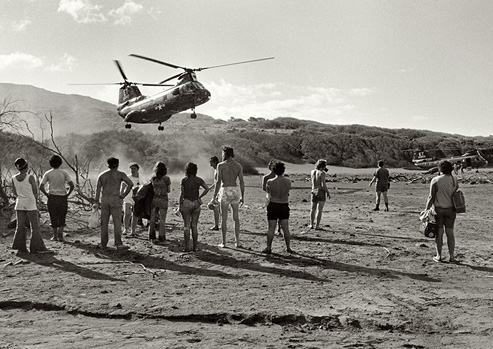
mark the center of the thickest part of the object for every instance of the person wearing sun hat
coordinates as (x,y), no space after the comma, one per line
(25,191)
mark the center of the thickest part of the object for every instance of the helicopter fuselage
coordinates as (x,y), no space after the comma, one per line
(468,160)
(161,106)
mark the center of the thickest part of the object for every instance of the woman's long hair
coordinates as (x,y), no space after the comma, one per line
(160,170)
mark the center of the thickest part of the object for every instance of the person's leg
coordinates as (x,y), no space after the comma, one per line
(20,231)
(270,235)
(313,212)
(450,243)
(216,219)
(195,227)
(152,223)
(287,236)
(385,200)
(37,244)
(320,208)
(134,223)
(127,218)
(377,200)
(105,220)
(62,216)
(162,223)
(117,213)
(185,213)
(439,244)
(224,222)
(53,217)
(236,218)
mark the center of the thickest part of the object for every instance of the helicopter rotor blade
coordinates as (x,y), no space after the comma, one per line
(159,62)
(171,78)
(225,65)
(98,83)
(121,70)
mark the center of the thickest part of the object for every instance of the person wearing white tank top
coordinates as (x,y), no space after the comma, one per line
(26,208)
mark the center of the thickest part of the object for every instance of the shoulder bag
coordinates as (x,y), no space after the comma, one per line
(458,199)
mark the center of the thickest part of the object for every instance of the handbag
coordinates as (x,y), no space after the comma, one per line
(429,229)
(428,225)
(94,219)
(459,200)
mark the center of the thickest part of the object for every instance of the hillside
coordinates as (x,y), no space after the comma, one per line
(90,128)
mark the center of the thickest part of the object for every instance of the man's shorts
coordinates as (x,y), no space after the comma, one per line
(445,217)
(277,211)
(229,195)
(382,187)
(320,196)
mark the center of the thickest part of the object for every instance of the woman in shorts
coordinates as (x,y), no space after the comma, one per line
(190,202)
(441,189)
(278,208)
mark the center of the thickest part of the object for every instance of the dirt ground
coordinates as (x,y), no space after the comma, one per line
(367,281)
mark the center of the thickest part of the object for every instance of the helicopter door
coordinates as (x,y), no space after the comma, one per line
(468,162)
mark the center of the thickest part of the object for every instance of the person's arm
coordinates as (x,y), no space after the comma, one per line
(98,191)
(324,185)
(13,188)
(34,186)
(432,196)
(129,185)
(242,185)
(373,180)
(218,182)
(206,189)
(70,184)
(168,185)
(264,183)
(71,187)
(42,185)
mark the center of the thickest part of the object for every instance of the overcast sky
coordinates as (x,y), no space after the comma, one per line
(392,64)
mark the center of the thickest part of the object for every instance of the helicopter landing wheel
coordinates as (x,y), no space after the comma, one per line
(160,128)
(193,116)
(128,126)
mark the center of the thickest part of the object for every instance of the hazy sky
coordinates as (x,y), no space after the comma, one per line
(393,64)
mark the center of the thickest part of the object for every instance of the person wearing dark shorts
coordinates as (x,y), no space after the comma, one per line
(278,208)
(382,177)
(319,194)
(441,189)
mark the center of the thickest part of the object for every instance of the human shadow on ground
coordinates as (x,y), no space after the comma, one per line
(49,260)
(150,261)
(380,272)
(219,256)
(477,267)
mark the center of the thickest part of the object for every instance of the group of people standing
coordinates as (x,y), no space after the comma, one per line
(113,198)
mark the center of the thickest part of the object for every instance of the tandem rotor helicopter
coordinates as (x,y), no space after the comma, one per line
(187,93)
(470,159)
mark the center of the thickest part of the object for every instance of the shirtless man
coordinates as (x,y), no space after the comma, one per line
(214,161)
(109,183)
(278,208)
(228,193)
(320,193)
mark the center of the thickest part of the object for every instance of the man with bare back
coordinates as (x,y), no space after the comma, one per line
(108,188)
(229,193)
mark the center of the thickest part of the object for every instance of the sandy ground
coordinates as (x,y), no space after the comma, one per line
(367,281)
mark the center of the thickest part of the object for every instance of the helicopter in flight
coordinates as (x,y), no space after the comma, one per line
(187,93)
(468,160)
